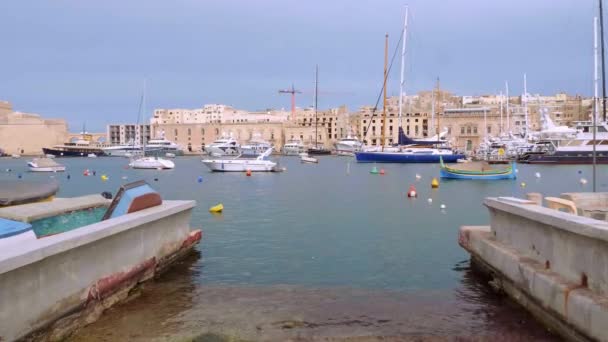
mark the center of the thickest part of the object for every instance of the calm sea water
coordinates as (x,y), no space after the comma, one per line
(331,230)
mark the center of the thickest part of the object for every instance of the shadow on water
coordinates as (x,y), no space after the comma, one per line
(174,307)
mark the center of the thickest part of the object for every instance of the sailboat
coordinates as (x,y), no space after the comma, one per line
(409,150)
(317,148)
(152,162)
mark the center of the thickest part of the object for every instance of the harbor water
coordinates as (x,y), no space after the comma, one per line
(322,250)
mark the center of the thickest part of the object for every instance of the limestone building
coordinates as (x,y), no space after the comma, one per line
(26,133)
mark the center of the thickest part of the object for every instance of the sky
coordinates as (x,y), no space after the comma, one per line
(86,61)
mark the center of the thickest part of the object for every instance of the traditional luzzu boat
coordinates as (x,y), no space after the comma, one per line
(473,171)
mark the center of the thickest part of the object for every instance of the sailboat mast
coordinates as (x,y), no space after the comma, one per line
(525,100)
(401,84)
(603,66)
(143,109)
(508,118)
(433,111)
(438,128)
(384,98)
(595,93)
(316,101)
(501,113)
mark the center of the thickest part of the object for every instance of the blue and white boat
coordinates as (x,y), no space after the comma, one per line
(477,173)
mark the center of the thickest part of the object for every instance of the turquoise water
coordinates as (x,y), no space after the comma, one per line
(66,222)
(330,225)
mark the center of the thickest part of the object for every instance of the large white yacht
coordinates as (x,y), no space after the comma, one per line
(260,163)
(293,147)
(224,146)
(256,146)
(163,146)
(152,163)
(348,146)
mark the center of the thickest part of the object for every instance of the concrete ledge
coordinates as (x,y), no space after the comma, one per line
(35,211)
(51,286)
(568,307)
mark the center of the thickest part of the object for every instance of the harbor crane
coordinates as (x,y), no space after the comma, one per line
(293,91)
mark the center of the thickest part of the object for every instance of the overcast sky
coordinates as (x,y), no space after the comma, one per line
(86,60)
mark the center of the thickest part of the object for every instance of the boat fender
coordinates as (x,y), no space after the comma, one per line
(411,193)
(434,183)
(106,195)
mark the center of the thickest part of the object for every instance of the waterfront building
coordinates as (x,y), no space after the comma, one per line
(27,133)
(122,134)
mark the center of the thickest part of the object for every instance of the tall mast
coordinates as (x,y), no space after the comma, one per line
(603,66)
(500,130)
(384,100)
(507,94)
(525,100)
(433,111)
(316,101)
(143,109)
(595,92)
(438,128)
(402,83)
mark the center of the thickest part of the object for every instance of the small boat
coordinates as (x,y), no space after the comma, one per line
(305,158)
(15,156)
(152,163)
(259,164)
(92,155)
(476,171)
(293,147)
(45,165)
(51,156)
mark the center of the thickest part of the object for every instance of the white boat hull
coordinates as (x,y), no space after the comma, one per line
(239,165)
(152,163)
(47,169)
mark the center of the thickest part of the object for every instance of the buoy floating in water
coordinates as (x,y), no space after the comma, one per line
(199,179)
(537,175)
(104,178)
(382,172)
(248,173)
(86,172)
(523,184)
(442,207)
(68,176)
(418,177)
(374,170)
(430,200)
(217,208)
(412,192)
(583,181)
(434,183)
(124,177)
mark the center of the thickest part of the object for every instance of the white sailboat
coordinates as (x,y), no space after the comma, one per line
(150,163)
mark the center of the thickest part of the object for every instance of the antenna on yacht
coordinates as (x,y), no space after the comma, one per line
(525,100)
(507,95)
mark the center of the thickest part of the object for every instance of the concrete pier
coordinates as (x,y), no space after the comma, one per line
(553,263)
(51,286)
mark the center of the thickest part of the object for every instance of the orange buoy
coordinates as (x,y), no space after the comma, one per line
(382,171)
(248,173)
(412,192)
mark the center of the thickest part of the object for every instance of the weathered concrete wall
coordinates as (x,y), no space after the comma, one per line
(553,263)
(45,280)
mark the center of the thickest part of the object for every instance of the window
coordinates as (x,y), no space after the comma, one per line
(489,129)
(468,129)
(189,131)
(202,131)
(462,130)
(475,130)
(176,132)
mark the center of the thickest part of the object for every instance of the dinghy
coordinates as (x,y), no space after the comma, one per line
(476,171)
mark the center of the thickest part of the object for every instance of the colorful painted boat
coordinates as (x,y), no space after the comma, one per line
(489,174)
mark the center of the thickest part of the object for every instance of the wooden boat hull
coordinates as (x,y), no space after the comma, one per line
(496,176)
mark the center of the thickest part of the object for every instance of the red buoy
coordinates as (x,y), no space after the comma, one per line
(382,171)
(248,173)
(412,192)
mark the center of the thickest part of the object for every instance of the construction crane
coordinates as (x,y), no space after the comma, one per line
(293,91)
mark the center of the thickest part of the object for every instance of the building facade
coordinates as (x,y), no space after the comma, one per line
(123,134)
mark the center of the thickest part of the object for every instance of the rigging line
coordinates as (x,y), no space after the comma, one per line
(383,84)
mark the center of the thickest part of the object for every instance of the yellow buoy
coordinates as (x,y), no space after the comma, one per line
(217,208)
(434,183)
(104,178)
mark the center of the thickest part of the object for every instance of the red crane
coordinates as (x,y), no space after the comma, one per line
(293,92)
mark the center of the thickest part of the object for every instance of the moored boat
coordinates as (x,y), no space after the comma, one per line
(293,147)
(45,165)
(152,163)
(476,171)
(259,164)
(305,158)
